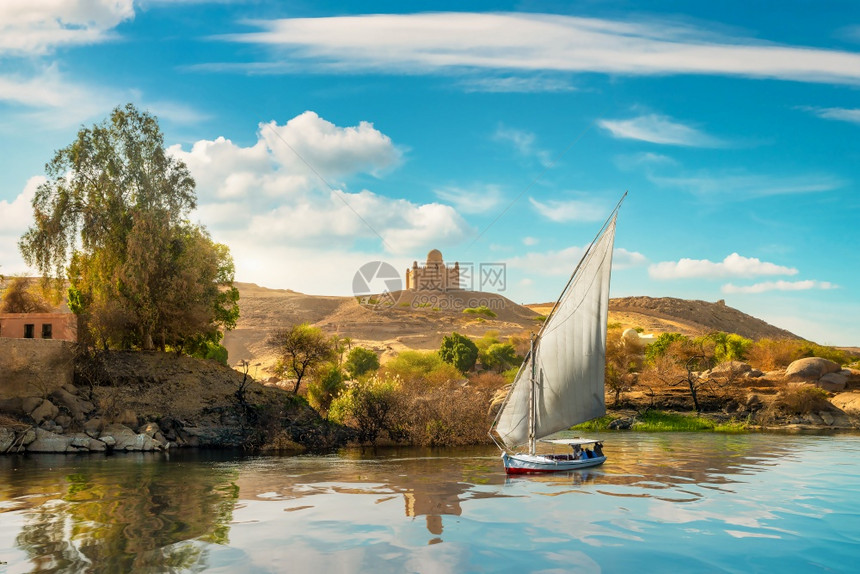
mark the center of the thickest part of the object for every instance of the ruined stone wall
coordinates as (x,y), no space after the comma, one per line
(34,367)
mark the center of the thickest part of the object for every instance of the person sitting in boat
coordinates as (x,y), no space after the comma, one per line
(586,453)
(598,449)
(577,452)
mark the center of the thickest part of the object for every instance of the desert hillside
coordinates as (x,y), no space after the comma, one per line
(419,321)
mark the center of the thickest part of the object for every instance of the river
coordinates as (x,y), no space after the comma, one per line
(667,502)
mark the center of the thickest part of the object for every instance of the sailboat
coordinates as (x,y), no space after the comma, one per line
(560,383)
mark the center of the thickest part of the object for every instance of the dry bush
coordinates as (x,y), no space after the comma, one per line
(23,295)
(488,380)
(801,400)
(445,415)
(772,354)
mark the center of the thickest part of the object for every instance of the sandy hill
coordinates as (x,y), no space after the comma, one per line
(410,320)
(689,317)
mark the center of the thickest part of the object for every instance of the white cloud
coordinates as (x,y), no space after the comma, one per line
(540,42)
(328,149)
(530,241)
(514,84)
(851,115)
(50,99)
(477,200)
(660,130)
(15,217)
(524,142)
(570,210)
(733,265)
(265,194)
(564,261)
(744,186)
(30,27)
(778,286)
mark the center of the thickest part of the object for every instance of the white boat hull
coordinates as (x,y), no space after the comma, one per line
(535,463)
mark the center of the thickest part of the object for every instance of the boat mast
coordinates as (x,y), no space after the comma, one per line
(532,410)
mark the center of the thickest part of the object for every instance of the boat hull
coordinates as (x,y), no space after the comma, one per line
(535,463)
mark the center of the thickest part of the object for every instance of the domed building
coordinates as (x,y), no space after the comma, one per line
(434,275)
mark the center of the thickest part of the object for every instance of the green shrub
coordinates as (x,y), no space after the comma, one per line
(459,351)
(482,310)
(367,406)
(361,361)
(659,347)
(500,356)
(325,386)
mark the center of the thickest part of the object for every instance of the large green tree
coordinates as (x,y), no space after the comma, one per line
(300,349)
(113,218)
(459,351)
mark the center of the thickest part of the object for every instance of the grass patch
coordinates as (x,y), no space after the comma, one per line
(659,421)
(598,424)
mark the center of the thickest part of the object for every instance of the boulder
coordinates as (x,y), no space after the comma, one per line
(127,439)
(65,421)
(753,401)
(93,427)
(832,382)
(83,442)
(730,368)
(7,439)
(827,418)
(152,430)
(30,404)
(848,402)
(28,437)
(70,388)
(45,411)
(810,369)
(47,441)
(77,408)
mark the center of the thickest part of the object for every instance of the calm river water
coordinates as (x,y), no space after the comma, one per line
(662,503)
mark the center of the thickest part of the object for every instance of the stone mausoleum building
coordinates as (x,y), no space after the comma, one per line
(434,275)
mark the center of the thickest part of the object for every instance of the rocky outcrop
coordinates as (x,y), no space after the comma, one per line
(810,369)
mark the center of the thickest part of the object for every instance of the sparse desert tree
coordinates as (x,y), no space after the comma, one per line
(22,296)
(301,349)
(621,363)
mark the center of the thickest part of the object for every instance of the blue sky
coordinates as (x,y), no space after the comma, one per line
(326,134)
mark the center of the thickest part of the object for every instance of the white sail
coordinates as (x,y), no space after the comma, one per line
(569,355)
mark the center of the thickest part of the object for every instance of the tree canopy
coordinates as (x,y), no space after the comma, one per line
(459,351)
(301,349)
(113,218)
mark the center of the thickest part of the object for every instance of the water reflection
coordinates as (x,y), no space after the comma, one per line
(791,497)
(136,512)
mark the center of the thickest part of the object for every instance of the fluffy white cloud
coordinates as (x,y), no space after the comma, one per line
(530,241)
(539,43)
(778,286)
(563,262)
(569,210)
(660,130)
(37,26)
(308,141)
(733,265)
(15,217)
(266,194)
(479,199)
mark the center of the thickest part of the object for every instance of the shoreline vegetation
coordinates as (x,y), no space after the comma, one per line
(154,298)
